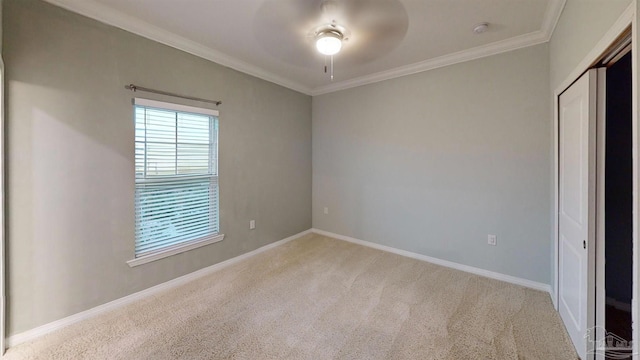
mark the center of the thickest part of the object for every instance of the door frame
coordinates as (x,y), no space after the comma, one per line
(601,126)
(2,222)
(629,18)
(2,214)
(3,317)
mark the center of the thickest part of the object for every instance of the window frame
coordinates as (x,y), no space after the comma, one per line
(214,178)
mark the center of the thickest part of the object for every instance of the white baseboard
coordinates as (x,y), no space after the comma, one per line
(110,306)
(470,269)
(620,305)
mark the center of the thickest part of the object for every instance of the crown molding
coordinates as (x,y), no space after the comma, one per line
(107,15)
(552,15)
(136,26)
(495,48)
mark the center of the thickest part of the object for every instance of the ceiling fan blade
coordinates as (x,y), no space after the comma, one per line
(282,27)
(377,26)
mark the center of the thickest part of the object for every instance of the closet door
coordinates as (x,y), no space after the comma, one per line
(576,209)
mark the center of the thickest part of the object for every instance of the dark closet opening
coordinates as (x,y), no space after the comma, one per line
(618,199)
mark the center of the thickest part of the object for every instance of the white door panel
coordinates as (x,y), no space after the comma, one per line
(576,286)
(571,282)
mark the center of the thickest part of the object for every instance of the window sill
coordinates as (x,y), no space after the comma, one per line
(175,250)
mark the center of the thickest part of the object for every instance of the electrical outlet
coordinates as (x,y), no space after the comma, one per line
(326,210)
(492,240)
(252,224)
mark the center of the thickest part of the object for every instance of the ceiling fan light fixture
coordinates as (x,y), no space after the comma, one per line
(329,42)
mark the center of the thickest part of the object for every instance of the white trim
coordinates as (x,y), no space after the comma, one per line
(2,206)
(635,294)
(110,306)
(556,200)
(495,48)
(601,141)
(552,15)
(623,22)
(173,250)
(107,15)
(450,264)
(174,107)
(620,305)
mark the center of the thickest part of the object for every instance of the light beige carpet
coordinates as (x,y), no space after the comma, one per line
(320,298)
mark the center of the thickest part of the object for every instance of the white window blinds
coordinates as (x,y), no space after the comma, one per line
(176,195)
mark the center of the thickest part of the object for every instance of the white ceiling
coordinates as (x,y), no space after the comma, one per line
(269,38)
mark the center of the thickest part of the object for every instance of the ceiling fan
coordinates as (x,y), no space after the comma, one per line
(329,36)
(359,31)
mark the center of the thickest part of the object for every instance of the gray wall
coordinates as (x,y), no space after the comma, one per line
(70,160)
(433,162)
(580,27)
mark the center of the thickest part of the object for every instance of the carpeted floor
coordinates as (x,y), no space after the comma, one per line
(320,298)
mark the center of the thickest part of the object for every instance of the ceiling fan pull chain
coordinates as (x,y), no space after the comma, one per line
(325,64)
(331,67)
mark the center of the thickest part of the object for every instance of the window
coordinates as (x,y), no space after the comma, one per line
(176,164)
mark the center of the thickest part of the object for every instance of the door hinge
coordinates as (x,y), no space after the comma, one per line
(584,244)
